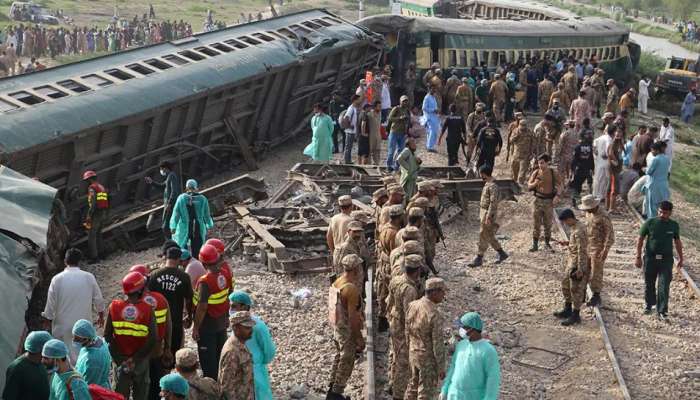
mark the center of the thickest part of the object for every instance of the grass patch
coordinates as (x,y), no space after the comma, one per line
(71,58)
(685,175)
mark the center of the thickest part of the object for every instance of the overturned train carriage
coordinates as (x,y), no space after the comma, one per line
(207,102)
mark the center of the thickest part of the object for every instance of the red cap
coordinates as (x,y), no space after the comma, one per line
(133,282)
(218,244)
(208,254)
(141,269)
(89,174)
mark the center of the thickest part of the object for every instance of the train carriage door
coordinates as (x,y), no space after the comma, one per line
(435,46)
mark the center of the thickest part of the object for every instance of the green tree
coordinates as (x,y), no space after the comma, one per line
(682,8)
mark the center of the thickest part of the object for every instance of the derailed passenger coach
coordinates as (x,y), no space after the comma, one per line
(204,101)
(462,44)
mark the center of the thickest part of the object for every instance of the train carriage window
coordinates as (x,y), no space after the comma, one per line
(26,97)
(175,59)
(311,25)
(7,106)
(493,58)
(235,43)
(222,47)
(617,52)
(276,35)
(299,29)
(587,53)
(263,37)
(606,53)
(50,91)
(483,57)
(451,58)
(333,21)
(207,51)
(194,56)
(321,22)
(501,57)
(96,80)
(73,86)
(119,74)
(286,32)
(249,40)
(579,53)
(140,69)
(463,58)
(156,63)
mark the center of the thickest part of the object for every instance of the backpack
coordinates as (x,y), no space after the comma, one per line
(344,120)
(97,392)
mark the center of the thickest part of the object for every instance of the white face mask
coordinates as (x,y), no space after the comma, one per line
(462,333)
(76,347)
(163,172)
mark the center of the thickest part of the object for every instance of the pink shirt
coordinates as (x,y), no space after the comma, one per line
(195,270)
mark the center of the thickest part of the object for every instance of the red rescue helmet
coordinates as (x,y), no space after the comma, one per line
(89,174)
(133,282)
(141,269)
(208,254)
(218,245)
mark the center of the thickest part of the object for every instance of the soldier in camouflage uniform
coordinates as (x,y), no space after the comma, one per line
(201,388)
(345,317)
(573,286)
(601,237)
(385,245)
(354,244)
(396,196)
(598,85)
(570,81)
(425,342)
(236,363)
(540,134)
(546,186)
(409,246)
(379,198)
(464,99)
(565,151)
(544,91)
(613,97)
(338,226)
(430,232)
(488,211)
(474,121)
(451,86)
(562,96)
(523,142)
(403,289)
(414,223)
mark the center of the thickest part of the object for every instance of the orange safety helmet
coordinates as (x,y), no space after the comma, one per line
(89,174)
(208,254)
(141,269)
(133,282)
(218,244)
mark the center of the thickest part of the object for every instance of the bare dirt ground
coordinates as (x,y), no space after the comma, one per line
(515,299)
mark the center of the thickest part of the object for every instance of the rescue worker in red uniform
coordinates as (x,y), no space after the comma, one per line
(162,357)
(211,315)
(97,214)
(132,335)
(220,246)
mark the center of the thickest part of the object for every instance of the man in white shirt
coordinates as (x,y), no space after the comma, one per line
(643,96)
(352,114)
(386,98)
(73,295)
(666,134)
(601,175)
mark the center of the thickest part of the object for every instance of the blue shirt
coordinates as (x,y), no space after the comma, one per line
(262,350)
(94,363)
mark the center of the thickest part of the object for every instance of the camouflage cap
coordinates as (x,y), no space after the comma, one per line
(361,216)
(345,200)
(395,188)
(411,233)
(388,180)
(480,106)
(242,318)
(425,185)
(379,193)
(186,357)
(416,212)
(413,247)
(396,210)
(350,262)
(355,226)
(435,284)
(413,261)
(608,115)
(421,202)
(437,183)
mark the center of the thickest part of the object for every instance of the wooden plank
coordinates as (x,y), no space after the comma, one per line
(259,230)
(235,131)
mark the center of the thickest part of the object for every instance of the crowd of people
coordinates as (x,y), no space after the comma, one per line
(689,30)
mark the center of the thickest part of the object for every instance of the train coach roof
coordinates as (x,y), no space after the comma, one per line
(585,26)
(31,125)
(534,6)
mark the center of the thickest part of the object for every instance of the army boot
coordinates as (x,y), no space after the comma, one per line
(574,318)
(502,255)
(547,245)
(565,313)
(534,247)
(477,262)
(382,324)
(594,301)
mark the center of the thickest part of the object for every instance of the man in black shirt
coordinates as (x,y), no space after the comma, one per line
(175,285)
(489,142)
(456,130)
(335,107)
(581,167)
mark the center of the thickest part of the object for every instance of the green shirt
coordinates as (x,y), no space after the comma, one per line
(25,380)
(660,235)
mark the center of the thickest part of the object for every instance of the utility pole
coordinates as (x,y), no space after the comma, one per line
(361,13)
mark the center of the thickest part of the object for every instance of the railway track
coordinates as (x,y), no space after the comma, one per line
(650,358)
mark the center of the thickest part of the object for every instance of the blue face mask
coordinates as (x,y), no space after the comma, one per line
(51,369)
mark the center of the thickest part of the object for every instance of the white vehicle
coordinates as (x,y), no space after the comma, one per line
(21,11)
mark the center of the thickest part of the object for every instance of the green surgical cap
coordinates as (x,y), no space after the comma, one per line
(35,341)
(472,320)
(84,329)
(240,297)
(54,348)
(175,383)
